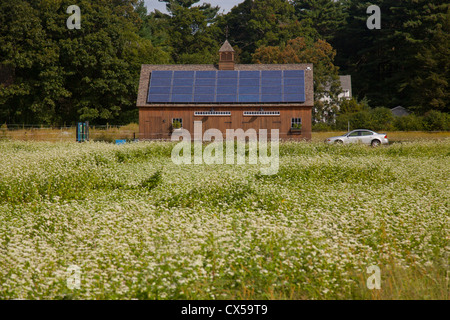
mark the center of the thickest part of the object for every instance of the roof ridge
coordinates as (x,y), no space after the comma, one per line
(226,47)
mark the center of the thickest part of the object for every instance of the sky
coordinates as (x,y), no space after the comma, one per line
(223,4)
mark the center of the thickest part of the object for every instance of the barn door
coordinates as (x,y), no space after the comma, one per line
(153,128)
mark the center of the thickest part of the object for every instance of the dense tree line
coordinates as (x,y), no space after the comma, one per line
(355,114)
(50,74)
(61,75)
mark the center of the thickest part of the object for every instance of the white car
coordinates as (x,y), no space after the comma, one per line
(362,136)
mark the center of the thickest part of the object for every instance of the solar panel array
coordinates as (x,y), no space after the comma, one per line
(267,86)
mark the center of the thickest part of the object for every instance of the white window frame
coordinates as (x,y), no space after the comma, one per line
(212,113)
(261,113)
(295,121)
(180,120)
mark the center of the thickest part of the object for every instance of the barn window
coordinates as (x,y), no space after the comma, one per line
(212,113)
(296,123)
(177,123)
(261,113)
(227,56)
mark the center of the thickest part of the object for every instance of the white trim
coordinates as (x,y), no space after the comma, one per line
(211,113)
(261,113)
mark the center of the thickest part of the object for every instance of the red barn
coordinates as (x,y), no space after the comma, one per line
(226,96)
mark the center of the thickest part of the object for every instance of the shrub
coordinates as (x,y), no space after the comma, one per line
(436,121)
(360,119)
(408,123)
(176,124)
(321,127)
(381,118)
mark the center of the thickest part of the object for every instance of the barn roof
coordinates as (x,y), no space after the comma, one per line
(226,47)
(146,71)
(399,111)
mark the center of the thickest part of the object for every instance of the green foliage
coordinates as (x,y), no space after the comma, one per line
(176,124)
(321,127)
(409,122)
(325,16)
(152,181)
(52,75)
(353,105)
(191,36)
(253,24)
(221,231)
(382,119)
(436,121)
(406,61)
(321,54)
(64,75)
(373,119)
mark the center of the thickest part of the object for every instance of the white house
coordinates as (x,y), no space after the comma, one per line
(346,86)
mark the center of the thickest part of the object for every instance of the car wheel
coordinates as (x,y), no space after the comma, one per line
(375,143)
(338,142)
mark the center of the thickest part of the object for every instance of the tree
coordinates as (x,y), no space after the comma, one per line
(192,33)
(63,75)
(406,61)
(325,16)
(428,36)
(256,23)
(352,105)
(326,80)
(38,81)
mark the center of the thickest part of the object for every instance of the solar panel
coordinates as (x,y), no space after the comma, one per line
(249,97)
(159,98)
(227,82)
(248,82)
(249,74)
(182,90)
(293,89)
(162,74)
(183,74)
(226,86)
(226,98)
(159,90)
(205,82)
(204,90)
(160,82)
(247,90)
(227,74)
(271,98)
(226,90)
(293,73)
(271,90)
(204,98)
(206,74)
(271,82)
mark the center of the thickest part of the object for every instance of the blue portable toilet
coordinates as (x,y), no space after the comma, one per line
(121,141)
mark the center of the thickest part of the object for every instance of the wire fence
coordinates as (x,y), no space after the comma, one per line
(130,132)
(108,133)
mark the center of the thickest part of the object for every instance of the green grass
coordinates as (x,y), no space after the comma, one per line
(139,226)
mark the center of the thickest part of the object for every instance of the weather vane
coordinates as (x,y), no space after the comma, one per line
(226,32)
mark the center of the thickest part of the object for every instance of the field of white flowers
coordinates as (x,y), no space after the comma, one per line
(139,226)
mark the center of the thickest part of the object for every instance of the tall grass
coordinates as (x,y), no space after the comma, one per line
(139,226)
